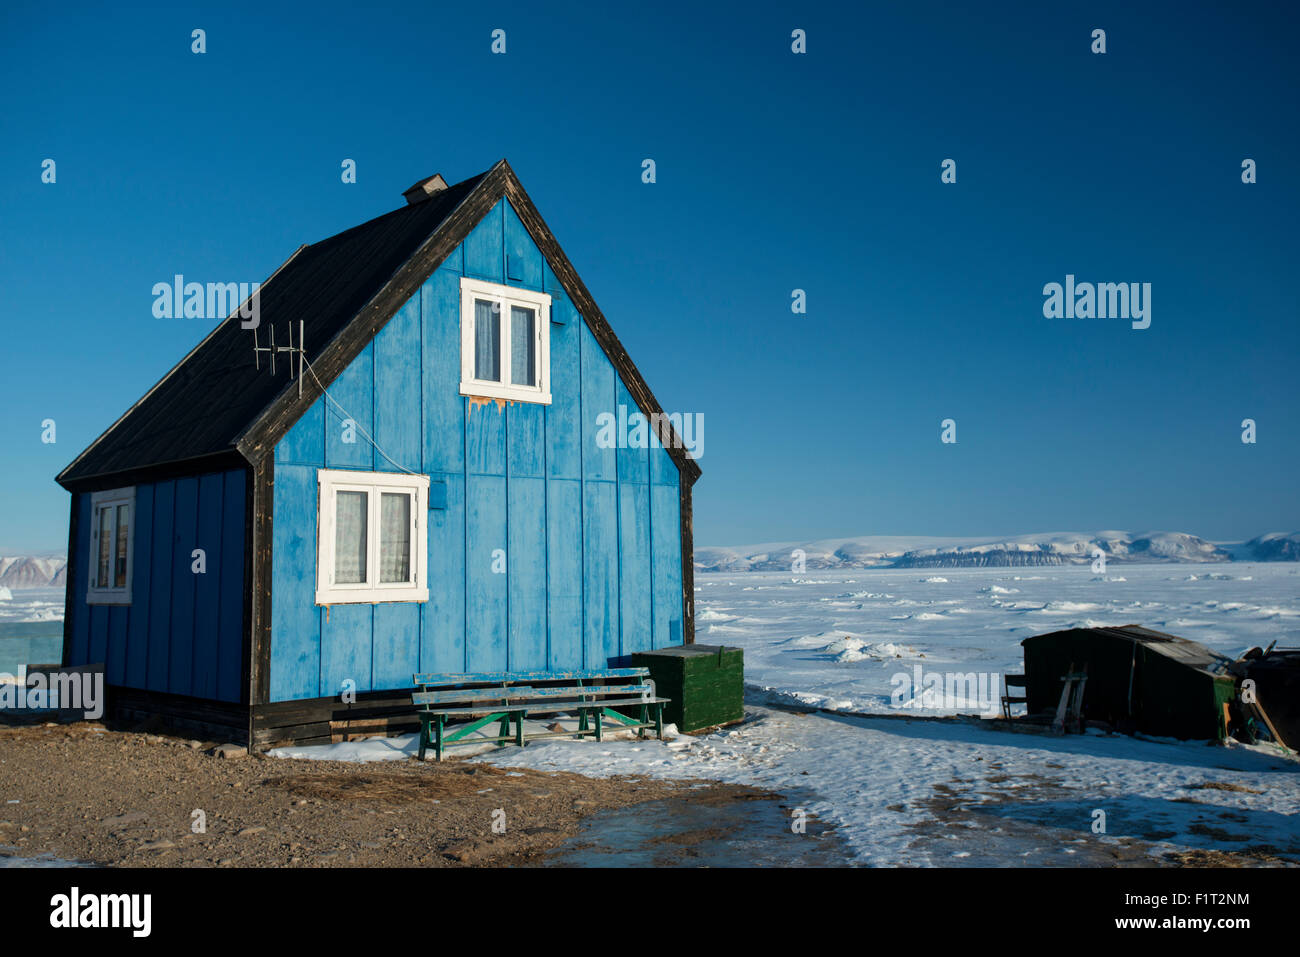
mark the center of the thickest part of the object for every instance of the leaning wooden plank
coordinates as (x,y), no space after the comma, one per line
(1269,724)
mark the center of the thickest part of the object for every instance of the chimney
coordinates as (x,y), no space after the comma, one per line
(425,188)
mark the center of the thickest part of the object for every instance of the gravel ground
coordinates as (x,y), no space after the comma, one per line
(86,793)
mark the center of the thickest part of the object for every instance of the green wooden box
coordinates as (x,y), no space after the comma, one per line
(705,682)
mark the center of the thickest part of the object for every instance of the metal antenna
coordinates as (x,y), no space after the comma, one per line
(272,349)
(258,350)
(291,349)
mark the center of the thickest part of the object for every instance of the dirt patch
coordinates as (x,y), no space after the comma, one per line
(83,792)
(1263,854)
(1224,786)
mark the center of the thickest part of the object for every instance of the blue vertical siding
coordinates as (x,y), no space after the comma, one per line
(486,562)
(183,632)
(564,573)
(584,539)
(442,621)
(526,579)
(137,658)
(184,535)
(295,619)
(158,669)
(207,588)
(230,634)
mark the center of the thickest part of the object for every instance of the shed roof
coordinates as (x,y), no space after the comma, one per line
(215,404)
(1183,650)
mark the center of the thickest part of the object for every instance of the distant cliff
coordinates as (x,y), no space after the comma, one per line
(27,571)
(1055,548)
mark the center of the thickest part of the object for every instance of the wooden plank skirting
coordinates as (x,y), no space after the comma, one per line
(326,720)
(310,721)
(190,717)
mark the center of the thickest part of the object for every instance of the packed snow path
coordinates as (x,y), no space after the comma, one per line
(951,792)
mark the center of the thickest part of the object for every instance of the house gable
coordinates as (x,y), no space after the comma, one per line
(472,227)
(590,537)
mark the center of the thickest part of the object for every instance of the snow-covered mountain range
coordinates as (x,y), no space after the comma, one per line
(886,551)
(1052,548)
(32,571)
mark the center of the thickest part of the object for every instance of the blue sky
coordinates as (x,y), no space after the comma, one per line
(775,171)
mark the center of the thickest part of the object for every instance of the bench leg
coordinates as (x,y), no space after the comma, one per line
(600,732)
(424,734)
(438,740)
(504,730)
(640,732)
(659,720)
(519,729)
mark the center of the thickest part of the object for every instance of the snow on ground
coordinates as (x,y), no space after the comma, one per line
(888,784)
(838,640)
(878,779)
(955,791)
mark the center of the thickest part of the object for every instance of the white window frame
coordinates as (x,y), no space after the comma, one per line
(505,297)
(98,593)
(332,481)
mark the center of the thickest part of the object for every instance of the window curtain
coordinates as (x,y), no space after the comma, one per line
(487,341)
(395,537)
(351,515)
(123,528)
(105,546)
(523,346)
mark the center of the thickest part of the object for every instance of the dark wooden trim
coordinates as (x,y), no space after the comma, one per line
(69,599)
(202,465)
(317,720)
(259,673)
(595,319)
(260,438)
(688,566)
(210,719)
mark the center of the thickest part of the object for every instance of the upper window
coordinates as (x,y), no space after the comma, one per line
(111,524)
(505,342)
(371,544)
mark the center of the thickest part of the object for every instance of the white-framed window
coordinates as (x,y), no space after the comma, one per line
(112,524)
(372,537)
(505,342)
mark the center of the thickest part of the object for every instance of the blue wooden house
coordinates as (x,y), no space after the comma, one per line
(424,487)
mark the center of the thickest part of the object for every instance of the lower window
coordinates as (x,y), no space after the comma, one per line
(109,581)
(372,537)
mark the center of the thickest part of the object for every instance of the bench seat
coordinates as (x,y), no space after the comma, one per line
(508,698)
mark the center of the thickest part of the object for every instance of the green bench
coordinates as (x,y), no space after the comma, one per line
(508,698)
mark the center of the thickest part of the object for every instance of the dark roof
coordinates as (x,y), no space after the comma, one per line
(210,397)
(215,404)
(1184,650)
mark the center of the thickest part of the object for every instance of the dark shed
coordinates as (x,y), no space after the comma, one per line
(1138,679)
